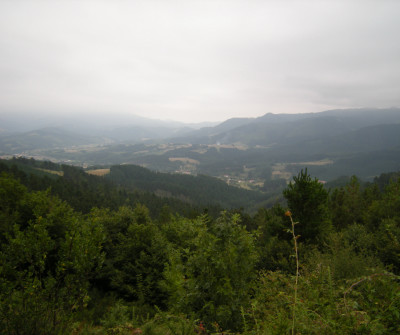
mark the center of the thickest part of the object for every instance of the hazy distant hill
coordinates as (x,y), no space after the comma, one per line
(365,142)
(204,134)
(364,117)
(267,134)
(270,129)
(91,123)
(371,138)
(30,131)
(44,139)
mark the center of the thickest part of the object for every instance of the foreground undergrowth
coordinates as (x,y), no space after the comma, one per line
(331,265)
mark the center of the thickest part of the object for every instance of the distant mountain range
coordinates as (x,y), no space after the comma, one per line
(365,142)
(271,129)
(24,132)
(97,123)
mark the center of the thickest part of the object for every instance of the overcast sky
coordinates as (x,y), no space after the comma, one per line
(198,60)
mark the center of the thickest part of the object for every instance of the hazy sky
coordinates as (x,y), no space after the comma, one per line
(198,60)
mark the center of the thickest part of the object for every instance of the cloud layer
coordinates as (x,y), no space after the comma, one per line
(198,60)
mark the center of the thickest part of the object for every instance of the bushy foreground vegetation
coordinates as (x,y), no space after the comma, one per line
(125,271)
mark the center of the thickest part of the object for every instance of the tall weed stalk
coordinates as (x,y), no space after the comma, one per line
(296,254)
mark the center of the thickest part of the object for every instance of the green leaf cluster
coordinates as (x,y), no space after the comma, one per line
(48,255)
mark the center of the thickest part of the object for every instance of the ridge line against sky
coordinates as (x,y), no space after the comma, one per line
(196,61)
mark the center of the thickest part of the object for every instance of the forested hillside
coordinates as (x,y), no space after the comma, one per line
(325,263)
(133,184)
(84,191)
(199,189)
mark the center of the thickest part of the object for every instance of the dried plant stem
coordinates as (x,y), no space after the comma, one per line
(297,270)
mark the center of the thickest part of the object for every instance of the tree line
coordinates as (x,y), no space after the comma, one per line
(124,270)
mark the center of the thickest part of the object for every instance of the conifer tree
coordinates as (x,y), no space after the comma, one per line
(308,202)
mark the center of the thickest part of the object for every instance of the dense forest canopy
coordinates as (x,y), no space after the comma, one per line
(81,254)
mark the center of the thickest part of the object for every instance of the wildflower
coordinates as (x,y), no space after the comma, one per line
(288,213)
(201,329)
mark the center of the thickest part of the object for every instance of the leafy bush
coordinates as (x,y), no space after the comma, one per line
(47,256)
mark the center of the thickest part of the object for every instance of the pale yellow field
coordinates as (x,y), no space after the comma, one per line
(184,160)
(58,173)
(98,172)
(315,163)
(238,146)
(281,174)
(279,169)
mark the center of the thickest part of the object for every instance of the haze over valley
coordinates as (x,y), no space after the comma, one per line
(246,152)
